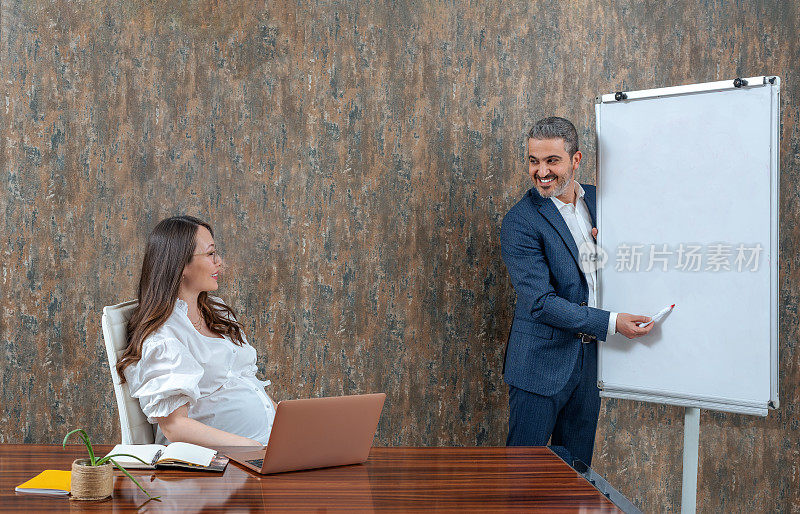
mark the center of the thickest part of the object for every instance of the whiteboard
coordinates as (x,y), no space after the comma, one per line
(687,184)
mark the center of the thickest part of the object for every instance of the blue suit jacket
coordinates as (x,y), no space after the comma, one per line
(542,260)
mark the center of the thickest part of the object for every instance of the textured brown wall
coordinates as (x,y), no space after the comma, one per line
(356,159)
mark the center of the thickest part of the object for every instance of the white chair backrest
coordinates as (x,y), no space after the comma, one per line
(133,423)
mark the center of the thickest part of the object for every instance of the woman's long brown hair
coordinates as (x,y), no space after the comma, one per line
(170,247)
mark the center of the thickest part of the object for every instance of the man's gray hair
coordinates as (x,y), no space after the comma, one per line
(556,128)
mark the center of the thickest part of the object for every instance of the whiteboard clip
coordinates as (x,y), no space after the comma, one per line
(771,80)
(739,82)
(599,384)
(619,95)
(771,404)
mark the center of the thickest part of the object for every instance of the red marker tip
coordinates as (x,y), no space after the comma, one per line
(672,306)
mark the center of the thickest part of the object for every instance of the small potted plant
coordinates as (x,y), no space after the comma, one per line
(93,478)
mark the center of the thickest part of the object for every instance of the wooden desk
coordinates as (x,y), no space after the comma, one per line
(400,479)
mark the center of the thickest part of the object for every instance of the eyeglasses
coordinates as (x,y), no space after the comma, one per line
(213,254)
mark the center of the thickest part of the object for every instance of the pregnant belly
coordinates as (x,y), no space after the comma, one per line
(240,408)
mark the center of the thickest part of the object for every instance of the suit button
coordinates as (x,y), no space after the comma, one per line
(583,304)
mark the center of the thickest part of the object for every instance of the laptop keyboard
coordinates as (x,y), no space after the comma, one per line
(256,462)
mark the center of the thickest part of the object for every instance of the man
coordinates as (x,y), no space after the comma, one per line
(551,356)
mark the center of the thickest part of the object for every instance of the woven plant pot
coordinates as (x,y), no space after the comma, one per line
(91,482)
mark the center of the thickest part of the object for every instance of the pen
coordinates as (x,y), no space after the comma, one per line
(658,316)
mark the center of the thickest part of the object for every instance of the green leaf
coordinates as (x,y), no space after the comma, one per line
(88,444)
(85,438)
(134,480)
(108,457)
(64,444)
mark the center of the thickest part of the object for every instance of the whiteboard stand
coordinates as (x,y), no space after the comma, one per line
(691,445)
(667,158)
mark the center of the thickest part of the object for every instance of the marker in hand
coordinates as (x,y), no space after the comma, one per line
(658,316)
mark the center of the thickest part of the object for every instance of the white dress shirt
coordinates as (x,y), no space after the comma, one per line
(579,222)
(216,377)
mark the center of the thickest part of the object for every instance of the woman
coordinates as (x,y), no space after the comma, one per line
(187,360)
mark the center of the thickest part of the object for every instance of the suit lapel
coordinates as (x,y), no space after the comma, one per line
(591,202)
(549,211)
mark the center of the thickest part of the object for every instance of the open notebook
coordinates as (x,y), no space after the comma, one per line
(174,455)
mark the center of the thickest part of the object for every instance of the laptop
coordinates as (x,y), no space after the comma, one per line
(317,433)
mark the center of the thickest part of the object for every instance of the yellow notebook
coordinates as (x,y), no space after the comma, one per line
(49,481)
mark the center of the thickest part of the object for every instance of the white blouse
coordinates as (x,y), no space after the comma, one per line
(216,377)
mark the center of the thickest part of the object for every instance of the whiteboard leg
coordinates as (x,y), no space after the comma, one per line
(691,442)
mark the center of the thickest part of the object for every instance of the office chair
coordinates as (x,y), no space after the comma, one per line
(132,421)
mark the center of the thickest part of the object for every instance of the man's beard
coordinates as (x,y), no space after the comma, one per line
(562,185)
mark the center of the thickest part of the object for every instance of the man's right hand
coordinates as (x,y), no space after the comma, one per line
(628,325)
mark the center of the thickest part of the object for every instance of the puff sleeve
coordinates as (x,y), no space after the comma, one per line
(165,378)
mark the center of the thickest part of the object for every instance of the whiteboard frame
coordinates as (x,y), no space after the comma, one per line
(608,390)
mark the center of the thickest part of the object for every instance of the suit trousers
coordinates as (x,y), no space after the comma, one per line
(568,418)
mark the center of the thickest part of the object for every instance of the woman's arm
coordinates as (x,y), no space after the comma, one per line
(178,426)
